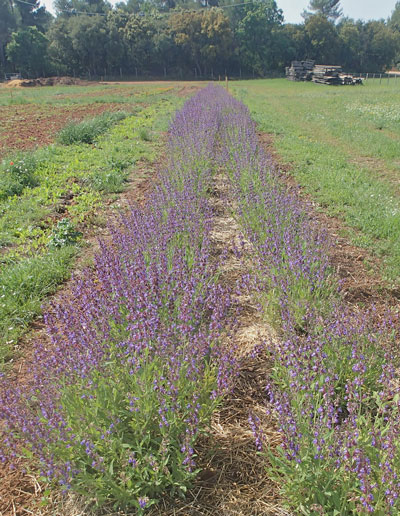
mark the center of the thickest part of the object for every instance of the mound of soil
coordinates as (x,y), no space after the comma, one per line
(46,81)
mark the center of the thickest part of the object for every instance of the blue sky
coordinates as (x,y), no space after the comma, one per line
(292,9)
(358,9)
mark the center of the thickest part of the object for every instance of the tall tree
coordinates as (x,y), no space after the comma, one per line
(27,51)
(31,14)
(72,7)
(204,38)
(257,35)
(329,8)
(139,33)
(394,20)
(7,25)
(323,41)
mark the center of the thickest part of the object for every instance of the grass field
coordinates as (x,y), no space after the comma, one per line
(343,145)
(51,197)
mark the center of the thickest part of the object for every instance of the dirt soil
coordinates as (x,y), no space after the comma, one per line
(46,81)
(26,127)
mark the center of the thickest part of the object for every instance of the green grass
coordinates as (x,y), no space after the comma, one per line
(90,129)
(23,286)
(343,146)
(118,93)
(72,95)
(72,182)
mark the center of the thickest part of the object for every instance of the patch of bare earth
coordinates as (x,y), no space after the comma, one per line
(29,126)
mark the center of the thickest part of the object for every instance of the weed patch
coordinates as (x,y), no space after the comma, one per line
(89,130)
(23,286)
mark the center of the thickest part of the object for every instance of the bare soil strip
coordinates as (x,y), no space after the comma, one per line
(31,126)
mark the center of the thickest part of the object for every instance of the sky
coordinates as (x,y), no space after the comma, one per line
(357,9)
(292,9)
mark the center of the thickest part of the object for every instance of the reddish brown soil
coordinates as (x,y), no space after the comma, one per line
(27,126)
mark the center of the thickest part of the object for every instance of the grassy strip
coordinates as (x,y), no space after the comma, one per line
(329,135)
(65,182)
(91,94)
(23,287)
(90,129)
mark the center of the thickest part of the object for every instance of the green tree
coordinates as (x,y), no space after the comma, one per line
(394,21)
(78,44)
(139,38)
(27,51)
(323,41)
(380,46)
(7,25)
(72,7)
(203,37)
(258,35)
(116,50)
(89,40)
(330,9)
(296,46)
(31,14)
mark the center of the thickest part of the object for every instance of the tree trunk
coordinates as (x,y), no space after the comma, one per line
(2,56)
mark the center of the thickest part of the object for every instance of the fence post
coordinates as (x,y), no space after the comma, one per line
(380,78)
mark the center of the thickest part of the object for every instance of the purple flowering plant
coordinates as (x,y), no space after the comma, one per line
(137,362)
(334,389)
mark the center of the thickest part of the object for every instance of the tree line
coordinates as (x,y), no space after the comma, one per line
(186,38)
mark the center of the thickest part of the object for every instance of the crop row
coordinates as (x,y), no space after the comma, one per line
(136,364)
(46,196)
(139,360)
(334,388)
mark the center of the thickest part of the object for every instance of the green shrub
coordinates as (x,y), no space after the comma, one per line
(88,130)
(144,134)
(64,234)
(18,174)
(108,181)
